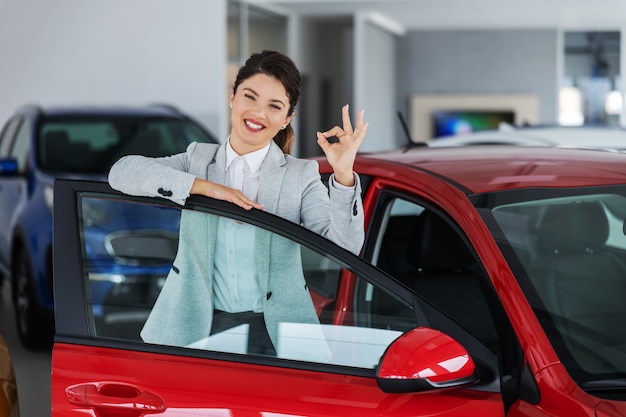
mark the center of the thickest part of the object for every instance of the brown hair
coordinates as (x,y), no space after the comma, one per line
(281,67)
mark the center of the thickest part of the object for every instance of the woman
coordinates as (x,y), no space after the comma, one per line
(253,169)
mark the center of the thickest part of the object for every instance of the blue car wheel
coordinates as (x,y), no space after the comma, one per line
(31,327)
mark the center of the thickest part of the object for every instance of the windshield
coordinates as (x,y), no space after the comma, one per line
(567,249)
(93,145)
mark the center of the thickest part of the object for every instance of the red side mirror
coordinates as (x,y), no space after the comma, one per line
(424,359)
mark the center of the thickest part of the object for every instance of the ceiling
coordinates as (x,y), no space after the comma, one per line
(471,14)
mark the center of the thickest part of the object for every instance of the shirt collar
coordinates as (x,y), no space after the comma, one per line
(253,159)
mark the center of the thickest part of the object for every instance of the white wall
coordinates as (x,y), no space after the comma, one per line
(115,52)
(481,62)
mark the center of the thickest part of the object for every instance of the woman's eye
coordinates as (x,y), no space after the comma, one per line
(276,106)
(249,96)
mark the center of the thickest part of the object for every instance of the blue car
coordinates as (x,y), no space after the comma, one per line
(130,249)
(39,145)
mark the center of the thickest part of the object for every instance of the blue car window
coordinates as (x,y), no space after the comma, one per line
(157,275)
(92,145)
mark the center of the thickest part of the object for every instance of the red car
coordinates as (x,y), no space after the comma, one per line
(491,283)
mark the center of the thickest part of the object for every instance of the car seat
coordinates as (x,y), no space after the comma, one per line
(579,280)
(446,274)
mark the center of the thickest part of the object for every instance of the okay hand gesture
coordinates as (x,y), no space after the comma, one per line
(341,153)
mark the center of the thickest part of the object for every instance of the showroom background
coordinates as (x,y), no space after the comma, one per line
(161,51)
(134,52)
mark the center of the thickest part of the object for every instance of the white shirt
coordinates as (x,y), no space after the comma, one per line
(235,281)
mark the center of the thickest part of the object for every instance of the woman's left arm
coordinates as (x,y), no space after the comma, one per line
(333,212)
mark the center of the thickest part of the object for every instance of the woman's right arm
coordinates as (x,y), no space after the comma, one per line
(169,177)
(166,177)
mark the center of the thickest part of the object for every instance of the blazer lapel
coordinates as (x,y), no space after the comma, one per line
(216,167)
(271,177)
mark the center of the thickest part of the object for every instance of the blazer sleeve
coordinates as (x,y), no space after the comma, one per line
(166,177)
(333,213)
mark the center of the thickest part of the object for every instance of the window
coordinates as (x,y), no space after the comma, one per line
(591,88)
(93,145)
(137,256)
(571,251)
(427,253)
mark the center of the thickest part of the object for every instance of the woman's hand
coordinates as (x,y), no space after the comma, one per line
(222,192)
(341,154)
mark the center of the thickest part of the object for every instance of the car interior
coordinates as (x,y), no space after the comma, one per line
(425,253)
(580,281)
(60,153)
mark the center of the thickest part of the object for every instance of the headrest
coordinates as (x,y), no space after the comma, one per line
(439,246)
(54,137)
(56,144)
(573,227)
(148,143)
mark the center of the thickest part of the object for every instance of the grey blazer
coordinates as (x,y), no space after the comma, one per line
(289,187)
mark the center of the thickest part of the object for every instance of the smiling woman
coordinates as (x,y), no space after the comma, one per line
(252,170)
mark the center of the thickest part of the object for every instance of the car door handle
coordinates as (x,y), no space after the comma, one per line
(111,396)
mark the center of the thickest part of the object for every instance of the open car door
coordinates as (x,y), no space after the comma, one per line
(378,349)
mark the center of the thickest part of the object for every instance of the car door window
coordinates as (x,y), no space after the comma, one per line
(148,268)
(427,253)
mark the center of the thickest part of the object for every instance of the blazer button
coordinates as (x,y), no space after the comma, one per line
(269,295)
(164,193)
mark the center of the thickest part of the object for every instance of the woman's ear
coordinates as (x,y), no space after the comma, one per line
(289,118)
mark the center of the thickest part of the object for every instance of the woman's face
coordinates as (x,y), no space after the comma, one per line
(259,111)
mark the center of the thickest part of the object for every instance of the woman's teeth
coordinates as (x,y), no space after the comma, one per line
(253,125)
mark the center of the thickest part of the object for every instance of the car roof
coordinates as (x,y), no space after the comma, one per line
(493,168)
(102,110)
